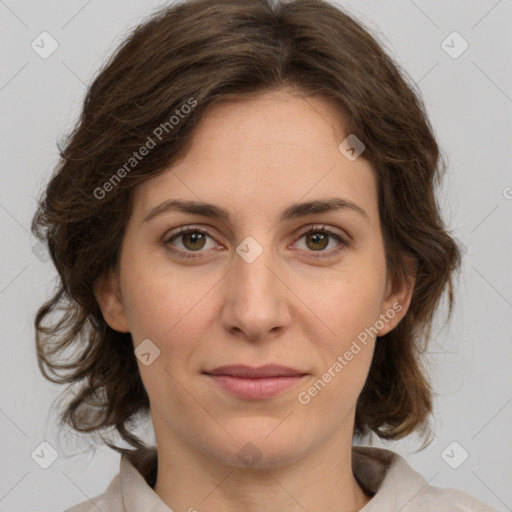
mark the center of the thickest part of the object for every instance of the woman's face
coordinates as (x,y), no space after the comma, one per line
(252,289)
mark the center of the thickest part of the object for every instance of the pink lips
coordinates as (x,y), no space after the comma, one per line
(255,383)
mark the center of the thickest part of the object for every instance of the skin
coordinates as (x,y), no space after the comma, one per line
(254,158)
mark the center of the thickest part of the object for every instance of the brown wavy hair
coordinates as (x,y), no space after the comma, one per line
(213,51)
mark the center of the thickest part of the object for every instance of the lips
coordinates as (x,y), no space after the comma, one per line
(250,383)
(248,372)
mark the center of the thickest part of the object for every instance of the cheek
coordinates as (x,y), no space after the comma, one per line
(350,301)
(166,309)
(161,301)
(349,306)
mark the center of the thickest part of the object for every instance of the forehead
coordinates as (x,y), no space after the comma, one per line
(261,153)
(279,122)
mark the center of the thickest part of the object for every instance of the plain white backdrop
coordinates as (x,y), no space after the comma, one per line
(468,94)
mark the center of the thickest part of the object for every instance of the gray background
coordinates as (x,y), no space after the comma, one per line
(469,99)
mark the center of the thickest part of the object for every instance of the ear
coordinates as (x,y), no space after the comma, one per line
(397,297)
(108,295)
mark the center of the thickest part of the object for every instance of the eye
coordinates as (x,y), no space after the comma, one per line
(192,240)
(318,238)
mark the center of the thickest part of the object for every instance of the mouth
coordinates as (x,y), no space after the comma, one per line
(252,383)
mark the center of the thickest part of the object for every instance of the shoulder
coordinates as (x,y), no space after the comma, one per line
(452,500)
(110,501)
(396,486)
(131,487)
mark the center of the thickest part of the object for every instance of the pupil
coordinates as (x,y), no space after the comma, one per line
(194,237)
(318,238)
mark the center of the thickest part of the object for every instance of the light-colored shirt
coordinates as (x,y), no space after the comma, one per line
(381,473)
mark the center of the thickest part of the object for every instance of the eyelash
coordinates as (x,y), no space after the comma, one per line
(313,230)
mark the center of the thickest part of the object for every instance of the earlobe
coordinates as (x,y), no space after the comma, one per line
(108,296)
(398,298)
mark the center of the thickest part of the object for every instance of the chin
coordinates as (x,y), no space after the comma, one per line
(261,443)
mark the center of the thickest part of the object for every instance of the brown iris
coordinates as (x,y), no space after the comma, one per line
(194,237)
(318,238)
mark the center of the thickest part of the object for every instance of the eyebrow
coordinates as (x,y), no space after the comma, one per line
(294,211)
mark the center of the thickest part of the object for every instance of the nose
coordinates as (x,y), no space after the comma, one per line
(256,298)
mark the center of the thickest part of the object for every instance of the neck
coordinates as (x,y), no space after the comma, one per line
(317,482)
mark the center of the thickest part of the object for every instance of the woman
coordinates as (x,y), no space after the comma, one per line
(245,226)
